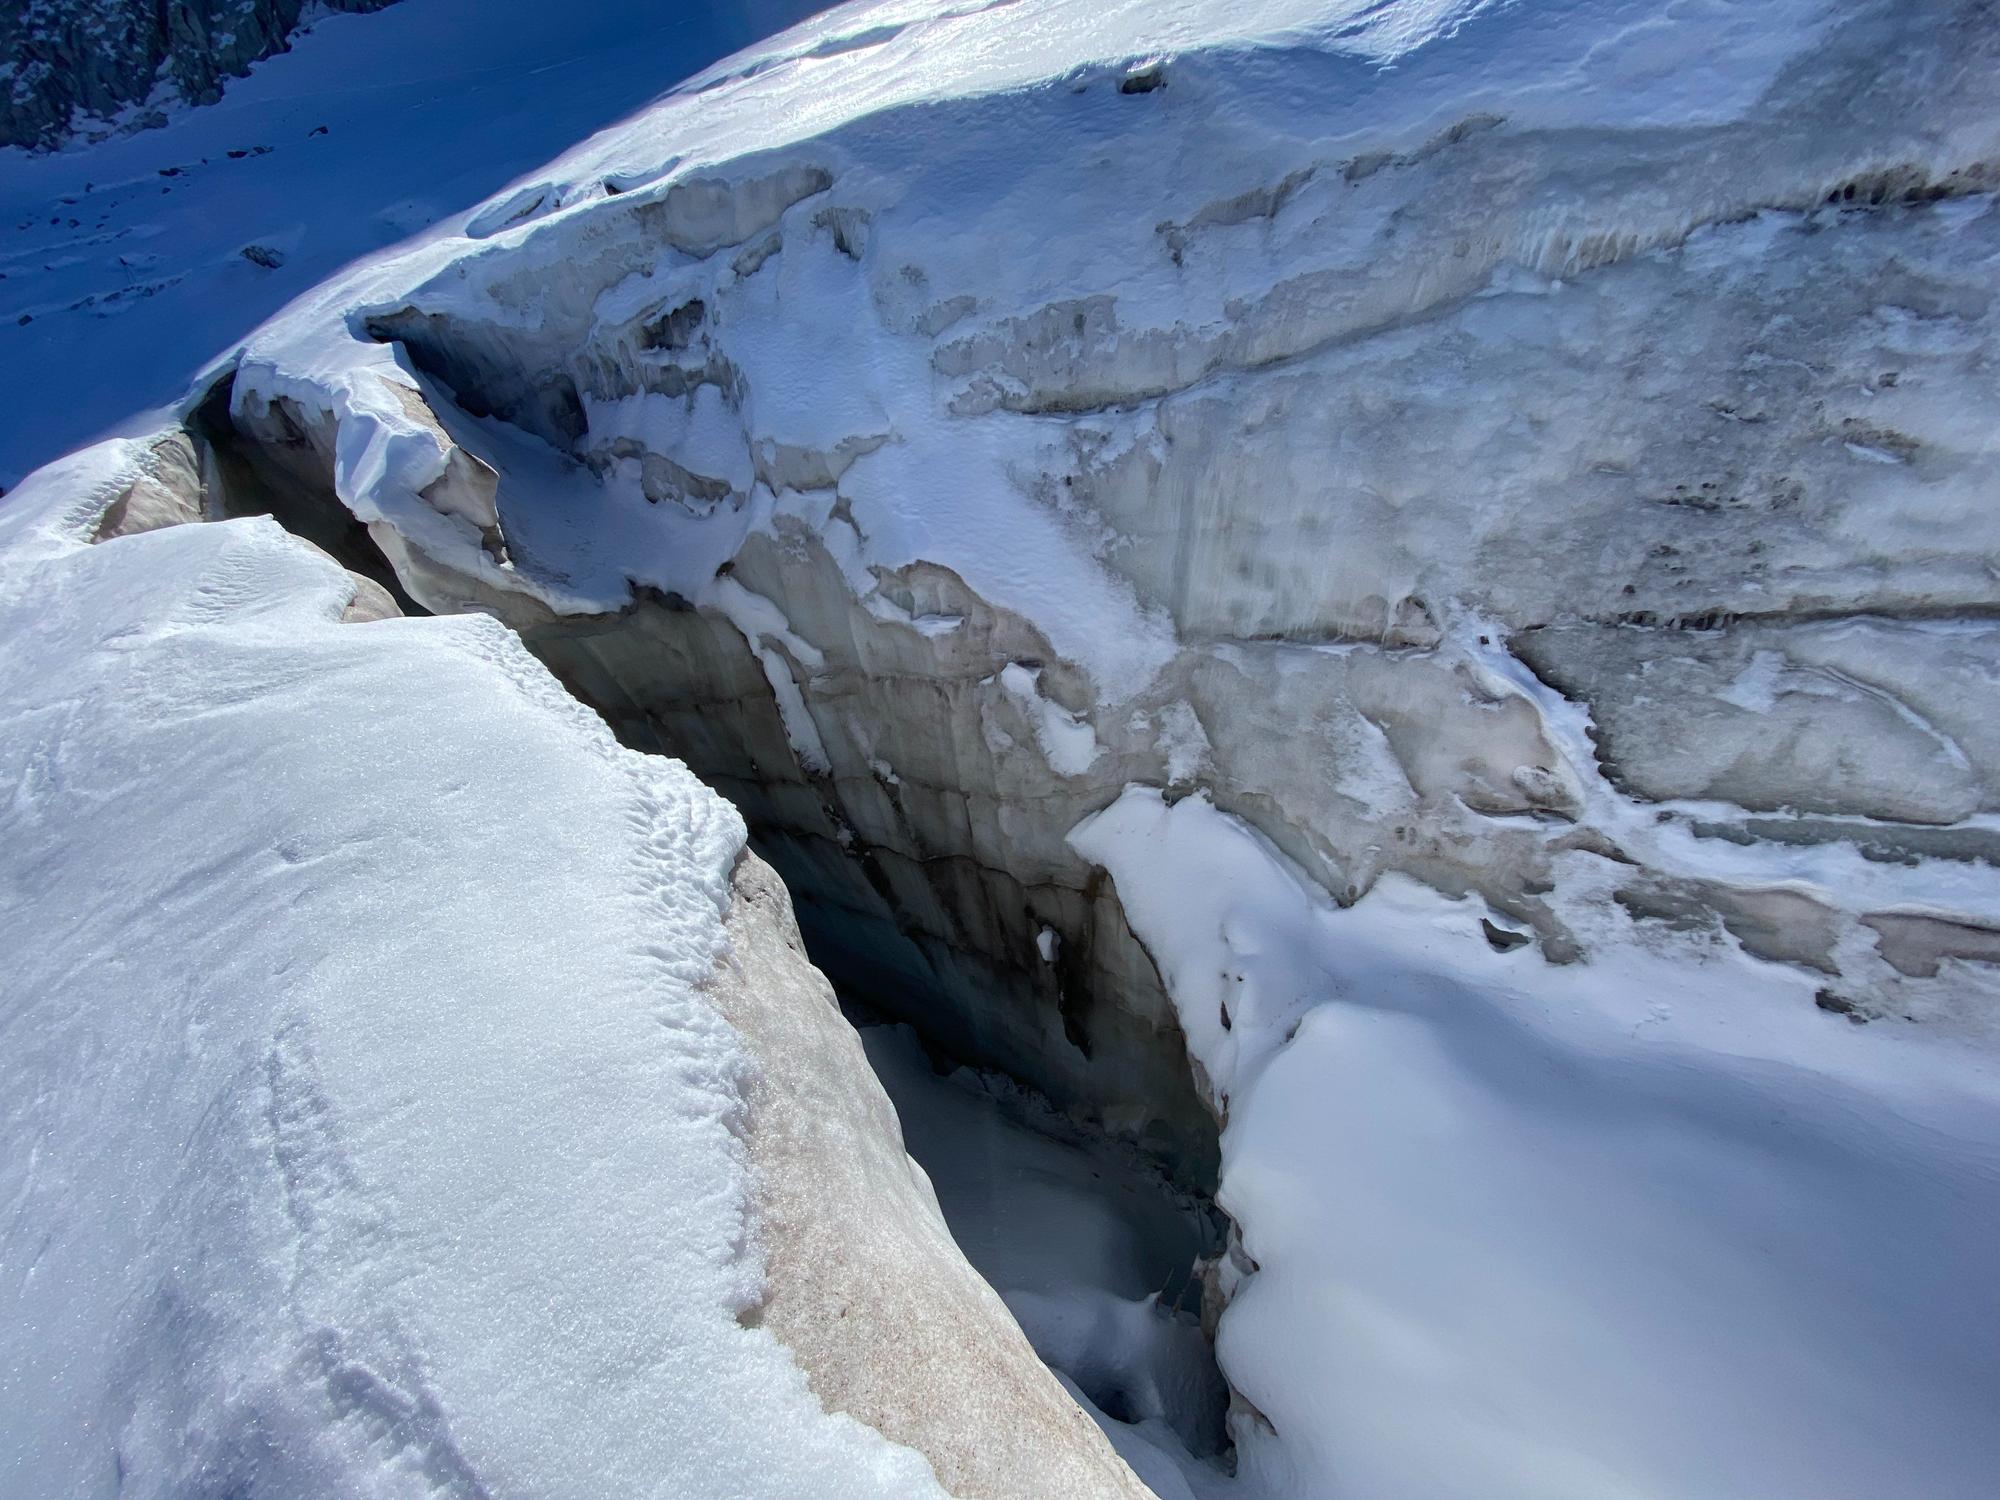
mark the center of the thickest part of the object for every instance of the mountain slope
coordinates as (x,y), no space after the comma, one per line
(124,269)
(67,67)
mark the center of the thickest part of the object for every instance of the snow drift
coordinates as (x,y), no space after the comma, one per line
(401,1079)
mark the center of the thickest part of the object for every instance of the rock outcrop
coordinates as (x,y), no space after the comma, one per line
(64,63)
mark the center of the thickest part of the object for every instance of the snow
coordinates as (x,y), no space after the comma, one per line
(1089,1246)
(1177,730)
(1540,1232)
(937,495)
(765,628)
(1661,834)
(1368,342)
(367,1129)
(429,106)
(1069,743)
(935,121)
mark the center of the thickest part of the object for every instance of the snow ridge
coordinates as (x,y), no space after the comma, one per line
(376,1134)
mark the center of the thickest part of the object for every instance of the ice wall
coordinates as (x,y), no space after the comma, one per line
(1549,473)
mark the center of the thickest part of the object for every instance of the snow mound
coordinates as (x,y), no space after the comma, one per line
(367,1129)
(1538,1232)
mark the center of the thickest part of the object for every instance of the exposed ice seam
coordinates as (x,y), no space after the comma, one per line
(1716,619)
(1902,710)
(1610,250)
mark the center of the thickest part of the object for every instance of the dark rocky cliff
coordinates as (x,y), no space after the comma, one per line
(63,62)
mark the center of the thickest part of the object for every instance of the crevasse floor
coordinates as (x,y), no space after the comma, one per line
(1089,1244)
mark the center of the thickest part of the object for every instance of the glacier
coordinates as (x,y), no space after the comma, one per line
(1389,604)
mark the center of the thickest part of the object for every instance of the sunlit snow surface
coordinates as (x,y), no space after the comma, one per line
(366,1132)
(1624,1228)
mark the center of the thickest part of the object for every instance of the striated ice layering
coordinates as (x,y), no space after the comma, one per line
(401,1082)
(1433,561)
(1326,373)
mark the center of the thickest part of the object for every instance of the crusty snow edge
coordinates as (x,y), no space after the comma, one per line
(370,1119)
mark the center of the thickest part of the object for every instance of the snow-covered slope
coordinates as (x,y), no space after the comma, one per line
(122,264)
(400,1089)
